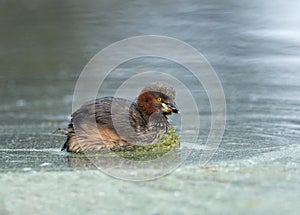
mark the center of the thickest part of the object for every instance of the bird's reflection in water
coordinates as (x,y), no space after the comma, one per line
(159,160)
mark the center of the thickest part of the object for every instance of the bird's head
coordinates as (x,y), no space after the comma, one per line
(157,98)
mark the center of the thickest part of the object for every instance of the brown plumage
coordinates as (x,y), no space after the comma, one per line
(110,122)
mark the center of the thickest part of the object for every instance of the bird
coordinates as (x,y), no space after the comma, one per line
(110,122)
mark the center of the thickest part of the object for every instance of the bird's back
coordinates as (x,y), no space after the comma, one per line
(104,123)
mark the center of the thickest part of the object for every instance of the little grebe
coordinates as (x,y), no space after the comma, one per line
(110,122)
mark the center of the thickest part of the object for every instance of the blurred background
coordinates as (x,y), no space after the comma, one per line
(254,48)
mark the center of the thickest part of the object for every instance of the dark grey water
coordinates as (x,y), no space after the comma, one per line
(254,48)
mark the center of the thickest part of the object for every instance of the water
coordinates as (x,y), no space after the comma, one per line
(253,47)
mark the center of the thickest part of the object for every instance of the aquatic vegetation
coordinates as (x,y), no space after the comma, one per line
(167,142)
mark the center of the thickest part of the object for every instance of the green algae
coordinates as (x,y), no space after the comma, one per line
(167,142)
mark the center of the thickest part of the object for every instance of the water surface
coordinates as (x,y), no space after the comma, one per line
(254,49)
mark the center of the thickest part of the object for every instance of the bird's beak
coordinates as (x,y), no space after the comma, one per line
(170,108)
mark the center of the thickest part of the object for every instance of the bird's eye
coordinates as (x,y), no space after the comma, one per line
(158,99)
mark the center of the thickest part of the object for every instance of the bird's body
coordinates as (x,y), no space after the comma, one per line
(109,122)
